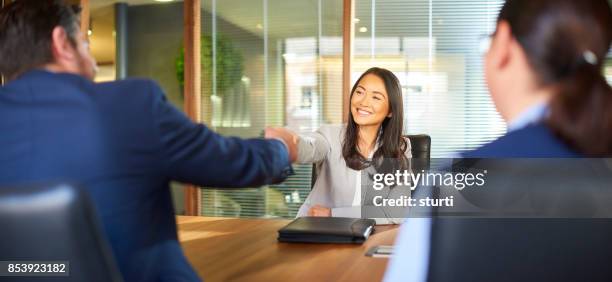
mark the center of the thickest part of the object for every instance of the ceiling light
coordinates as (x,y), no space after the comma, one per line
(164,0)
(356,20)
(363,29)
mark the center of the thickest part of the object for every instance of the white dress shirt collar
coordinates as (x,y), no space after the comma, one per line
(531,115)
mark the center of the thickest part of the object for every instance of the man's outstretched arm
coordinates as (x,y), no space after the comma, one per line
(195,154)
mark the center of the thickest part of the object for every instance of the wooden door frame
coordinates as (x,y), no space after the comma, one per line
(348,37)
(192,86)
(85,16)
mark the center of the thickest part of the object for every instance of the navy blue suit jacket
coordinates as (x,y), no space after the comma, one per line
(125,142)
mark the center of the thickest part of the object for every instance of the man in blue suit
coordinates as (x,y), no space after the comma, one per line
(122,140)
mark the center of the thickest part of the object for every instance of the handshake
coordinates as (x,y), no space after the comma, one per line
(289,138)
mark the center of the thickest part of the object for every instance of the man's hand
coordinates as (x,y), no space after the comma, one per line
(288,137)
(319,211)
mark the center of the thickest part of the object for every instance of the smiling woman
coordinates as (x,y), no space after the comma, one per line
(371,138)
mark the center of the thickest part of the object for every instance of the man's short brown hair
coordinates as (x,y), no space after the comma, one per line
(26,28)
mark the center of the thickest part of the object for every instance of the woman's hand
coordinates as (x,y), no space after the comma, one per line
(319,211)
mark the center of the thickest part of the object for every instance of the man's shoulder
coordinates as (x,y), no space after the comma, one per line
(41,81)
(131,85)
(136,92)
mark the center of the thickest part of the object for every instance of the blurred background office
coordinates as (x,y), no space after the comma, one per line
(280,63)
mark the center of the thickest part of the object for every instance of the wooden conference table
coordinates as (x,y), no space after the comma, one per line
(233,249)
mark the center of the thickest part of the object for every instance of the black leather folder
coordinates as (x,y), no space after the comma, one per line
(327,230)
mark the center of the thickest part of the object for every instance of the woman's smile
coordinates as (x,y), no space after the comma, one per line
(364,112)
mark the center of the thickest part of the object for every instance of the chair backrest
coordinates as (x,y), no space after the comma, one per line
(520,250)
(421,152)
(421,146)
(559,229)
(55,223)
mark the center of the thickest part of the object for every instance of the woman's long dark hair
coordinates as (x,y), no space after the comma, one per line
(566,42)
(392,144)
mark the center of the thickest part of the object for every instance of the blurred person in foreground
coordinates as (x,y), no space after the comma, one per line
(544,73)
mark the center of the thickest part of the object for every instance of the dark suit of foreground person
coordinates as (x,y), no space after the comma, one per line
(122,140)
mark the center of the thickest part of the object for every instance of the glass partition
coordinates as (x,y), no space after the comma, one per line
(278,63)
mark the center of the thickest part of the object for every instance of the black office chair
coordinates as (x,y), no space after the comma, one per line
(573,244)
(54,223)
(520,250)
(421,152)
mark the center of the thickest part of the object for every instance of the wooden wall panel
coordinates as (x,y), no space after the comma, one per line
(193,87)
(84,16)
(348,35)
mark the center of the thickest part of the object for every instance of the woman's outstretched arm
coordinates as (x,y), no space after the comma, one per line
(311,147)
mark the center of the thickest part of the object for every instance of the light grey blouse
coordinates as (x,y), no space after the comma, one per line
(336,184)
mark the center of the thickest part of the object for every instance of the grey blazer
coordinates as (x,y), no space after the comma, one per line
(336,183)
